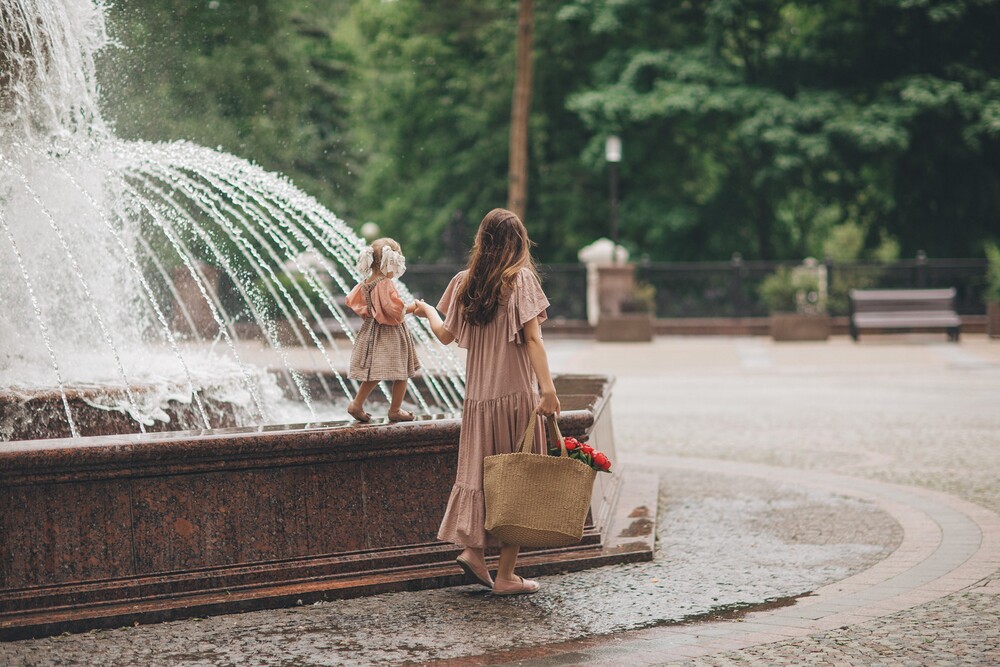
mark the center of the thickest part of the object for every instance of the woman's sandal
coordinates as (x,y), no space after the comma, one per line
(522,587)
(359,414)
(401,416)
(477,572)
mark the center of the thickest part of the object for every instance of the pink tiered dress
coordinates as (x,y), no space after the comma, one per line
(501,392)
(383,349)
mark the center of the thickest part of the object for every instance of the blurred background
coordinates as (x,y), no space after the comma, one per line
(860,132)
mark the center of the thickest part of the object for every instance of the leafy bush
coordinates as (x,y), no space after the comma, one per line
(992,294)
(794,289)
(643,299)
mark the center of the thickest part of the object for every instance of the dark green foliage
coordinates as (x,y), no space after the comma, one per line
(432,109)
(265,80)
(758,126)
(992,294)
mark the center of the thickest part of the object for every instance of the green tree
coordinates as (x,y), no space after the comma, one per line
(433,111)
(758,126)
(264,80)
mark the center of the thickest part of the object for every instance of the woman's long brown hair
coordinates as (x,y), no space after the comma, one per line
(499,253)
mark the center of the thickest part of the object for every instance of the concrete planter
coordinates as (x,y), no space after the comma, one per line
(798,326)
(625,328)
(993,319)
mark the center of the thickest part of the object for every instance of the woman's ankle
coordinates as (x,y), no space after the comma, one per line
(474,554)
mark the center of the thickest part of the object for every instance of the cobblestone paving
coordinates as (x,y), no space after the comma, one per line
(958,630)
(908,410)
(724,541)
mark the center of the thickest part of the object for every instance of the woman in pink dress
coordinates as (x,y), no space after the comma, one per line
(383,349)
(494,309)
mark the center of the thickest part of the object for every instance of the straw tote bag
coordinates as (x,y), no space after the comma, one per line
(537,500)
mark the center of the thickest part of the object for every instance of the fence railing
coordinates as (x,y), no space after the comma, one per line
(731,289)
(564,284)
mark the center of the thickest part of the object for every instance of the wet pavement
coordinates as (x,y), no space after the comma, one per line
(863,474)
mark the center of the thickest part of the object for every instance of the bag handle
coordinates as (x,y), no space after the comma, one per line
(528,439)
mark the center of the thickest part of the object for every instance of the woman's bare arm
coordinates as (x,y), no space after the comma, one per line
(424,309)
(549,405)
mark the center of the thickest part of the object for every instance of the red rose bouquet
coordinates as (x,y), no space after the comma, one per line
(583,452)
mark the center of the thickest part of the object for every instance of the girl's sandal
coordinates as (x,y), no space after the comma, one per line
(359,414)
(401,416)
(521,587)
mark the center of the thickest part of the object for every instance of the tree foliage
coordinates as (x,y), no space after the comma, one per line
(776,129)
(760,126)
(264,80)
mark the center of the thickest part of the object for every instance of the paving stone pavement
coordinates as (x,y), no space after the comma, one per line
(869,472)
(906,409)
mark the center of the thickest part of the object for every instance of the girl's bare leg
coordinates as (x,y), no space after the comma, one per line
(398,392)
(356,407)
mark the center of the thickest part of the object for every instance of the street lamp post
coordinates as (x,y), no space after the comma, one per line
(613,154)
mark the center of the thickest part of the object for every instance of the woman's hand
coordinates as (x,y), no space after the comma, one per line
(549,404)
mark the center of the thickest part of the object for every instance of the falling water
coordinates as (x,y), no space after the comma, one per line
(155,280)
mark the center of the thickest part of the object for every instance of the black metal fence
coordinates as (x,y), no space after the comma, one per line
(564,284)
(731,289)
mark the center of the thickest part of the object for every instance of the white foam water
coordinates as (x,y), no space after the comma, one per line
(147,269)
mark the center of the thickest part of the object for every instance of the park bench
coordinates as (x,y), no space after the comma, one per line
(904,309)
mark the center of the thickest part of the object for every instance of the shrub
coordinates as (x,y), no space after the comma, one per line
(992,294)
(794,289)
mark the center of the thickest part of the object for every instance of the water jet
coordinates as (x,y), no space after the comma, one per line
(173,438)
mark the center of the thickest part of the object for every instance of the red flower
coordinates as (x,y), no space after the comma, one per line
(584,453)
(601,461)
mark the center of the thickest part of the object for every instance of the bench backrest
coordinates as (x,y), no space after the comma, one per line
(889,300)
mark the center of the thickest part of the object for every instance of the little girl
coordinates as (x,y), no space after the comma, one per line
(494,309)
(383,349)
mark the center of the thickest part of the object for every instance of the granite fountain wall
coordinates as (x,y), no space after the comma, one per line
(113,530)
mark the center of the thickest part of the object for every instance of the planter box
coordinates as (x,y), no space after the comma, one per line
(797,326)
(993,319)
(634,328)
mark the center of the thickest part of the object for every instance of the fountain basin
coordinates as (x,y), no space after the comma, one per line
(113,530)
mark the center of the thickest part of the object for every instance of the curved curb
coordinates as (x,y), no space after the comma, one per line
(948,546)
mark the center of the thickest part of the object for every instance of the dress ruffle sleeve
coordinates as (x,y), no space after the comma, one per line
(356,301)
(454,321)
(526,302)
(386,304)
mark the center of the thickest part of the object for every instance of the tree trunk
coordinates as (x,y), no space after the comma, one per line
(517,192)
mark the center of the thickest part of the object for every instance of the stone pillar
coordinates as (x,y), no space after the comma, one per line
(616,285)
(600,255)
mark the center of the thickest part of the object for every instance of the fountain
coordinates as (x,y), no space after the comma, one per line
(172,350)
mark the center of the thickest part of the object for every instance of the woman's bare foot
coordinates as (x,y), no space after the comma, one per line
(355,411)
(400,416)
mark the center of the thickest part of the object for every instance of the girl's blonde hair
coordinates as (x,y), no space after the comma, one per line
(500,251)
